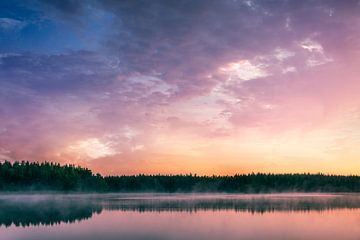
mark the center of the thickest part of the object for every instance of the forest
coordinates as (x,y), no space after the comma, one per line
(46,176)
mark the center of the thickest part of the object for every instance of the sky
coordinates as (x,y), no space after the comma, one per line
(169,86)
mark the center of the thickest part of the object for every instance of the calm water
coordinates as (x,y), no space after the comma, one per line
(180,216)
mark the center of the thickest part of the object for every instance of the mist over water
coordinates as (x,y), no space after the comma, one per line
(179,216)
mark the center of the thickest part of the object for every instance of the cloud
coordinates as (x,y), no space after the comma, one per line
(311,46)
(63,73)
(283,54)
(243,70)
(289,69)
(9,24)
(92,148)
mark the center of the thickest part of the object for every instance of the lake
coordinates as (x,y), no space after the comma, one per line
(179,216)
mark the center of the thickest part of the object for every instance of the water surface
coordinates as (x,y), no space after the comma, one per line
(179,216)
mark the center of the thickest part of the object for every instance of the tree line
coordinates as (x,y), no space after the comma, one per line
(34,176)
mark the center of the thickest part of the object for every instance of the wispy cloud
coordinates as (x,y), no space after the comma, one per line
(9,24)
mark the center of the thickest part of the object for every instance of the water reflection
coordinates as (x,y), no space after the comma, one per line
(29,210)
(44,210)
